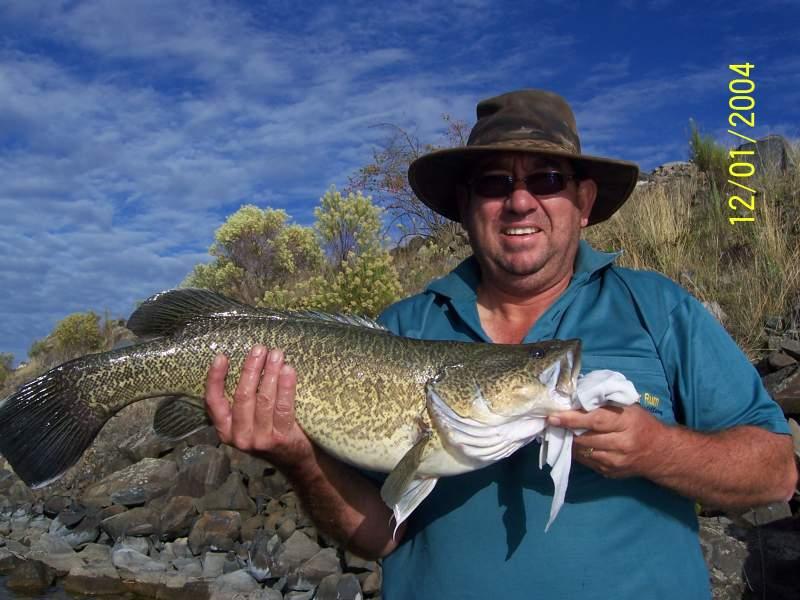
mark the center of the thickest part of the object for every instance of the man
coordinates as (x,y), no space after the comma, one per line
(523,191)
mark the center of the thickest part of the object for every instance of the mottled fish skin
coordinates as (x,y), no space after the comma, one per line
(361,391)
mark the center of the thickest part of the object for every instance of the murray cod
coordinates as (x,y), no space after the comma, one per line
(416,409)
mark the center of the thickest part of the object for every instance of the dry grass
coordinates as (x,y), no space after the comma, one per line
(681,229)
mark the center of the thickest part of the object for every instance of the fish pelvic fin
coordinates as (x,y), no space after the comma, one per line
(46,425)
(178,417)
(403,489)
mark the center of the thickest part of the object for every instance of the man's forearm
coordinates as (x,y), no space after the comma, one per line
(737,468)
(345,505)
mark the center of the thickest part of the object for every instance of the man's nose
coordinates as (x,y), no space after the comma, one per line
(521,200)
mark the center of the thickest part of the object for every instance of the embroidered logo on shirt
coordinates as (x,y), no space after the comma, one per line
(652,403)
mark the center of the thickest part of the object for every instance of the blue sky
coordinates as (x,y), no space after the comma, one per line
(129,130)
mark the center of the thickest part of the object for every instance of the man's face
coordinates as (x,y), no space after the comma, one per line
(524,239)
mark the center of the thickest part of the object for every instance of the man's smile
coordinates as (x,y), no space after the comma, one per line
(520,230)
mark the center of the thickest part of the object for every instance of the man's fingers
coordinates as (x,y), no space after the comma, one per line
(244,398)
(219,409)
(604,419)
(283,419)
(265,397)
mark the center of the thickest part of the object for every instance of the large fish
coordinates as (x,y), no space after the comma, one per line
(416,409)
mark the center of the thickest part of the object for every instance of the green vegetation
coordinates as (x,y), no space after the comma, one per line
(710,157)
(6,366)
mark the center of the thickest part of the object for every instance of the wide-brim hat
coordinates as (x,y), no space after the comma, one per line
(528,121)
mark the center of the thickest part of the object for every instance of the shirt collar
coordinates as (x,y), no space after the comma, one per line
(463,281)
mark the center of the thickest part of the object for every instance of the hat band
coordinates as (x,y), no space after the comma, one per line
(528,144)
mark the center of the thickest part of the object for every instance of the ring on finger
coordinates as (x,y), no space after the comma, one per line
(588,452)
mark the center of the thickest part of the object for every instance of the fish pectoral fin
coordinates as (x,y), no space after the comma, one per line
(403,490)
(178,417)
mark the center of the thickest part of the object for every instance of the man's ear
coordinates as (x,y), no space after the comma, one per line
(587,193)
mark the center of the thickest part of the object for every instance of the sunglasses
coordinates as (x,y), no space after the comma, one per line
(543,183)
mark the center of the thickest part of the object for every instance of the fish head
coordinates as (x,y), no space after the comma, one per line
(508,381)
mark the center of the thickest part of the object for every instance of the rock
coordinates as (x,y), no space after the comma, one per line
(55,505)
(19,493)
(287,528)
(299,595)
(72,515)
(348,588)
(31,577)
(215,530)
(56,553)
(86,531)
(355,563)
(250,526)
(202,469)
(231,496)
(8,561)
(371,582)
(140,544)
(791,347)
(672,170)
(135,484)
(213,563)
(769,513)
(260,561)
(99,579)
(136,521)
(181,586)
(132,564)
(292,554)
(190,567)
(725,556)
(7,479)
(146,444)
(177,517)
(238,582)
(780,360)
(772,152)
(339,587)
(249,465)
(787,392)
(323,563)
(177,549)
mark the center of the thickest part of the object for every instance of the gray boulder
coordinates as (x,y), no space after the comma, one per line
(771,152)
(133,485)
(31,577)
(215,530)
(232,495)
(56,553)
(177,517)
(136,521)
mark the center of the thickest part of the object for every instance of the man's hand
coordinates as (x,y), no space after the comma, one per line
(619,441)
(261,418)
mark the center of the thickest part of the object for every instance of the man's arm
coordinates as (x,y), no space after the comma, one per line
(736,468)
(340,501)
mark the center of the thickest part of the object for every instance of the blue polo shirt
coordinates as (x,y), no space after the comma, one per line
(481,534)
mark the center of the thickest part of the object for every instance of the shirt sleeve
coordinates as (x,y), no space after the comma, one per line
(713,383)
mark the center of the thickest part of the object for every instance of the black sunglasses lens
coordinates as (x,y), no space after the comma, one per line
(493,186)
(501,186)
(543,184)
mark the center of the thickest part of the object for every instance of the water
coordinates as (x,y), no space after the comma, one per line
(54,593)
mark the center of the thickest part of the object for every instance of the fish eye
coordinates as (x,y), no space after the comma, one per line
(537,353)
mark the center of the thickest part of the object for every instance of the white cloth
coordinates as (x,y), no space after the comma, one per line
(592,391)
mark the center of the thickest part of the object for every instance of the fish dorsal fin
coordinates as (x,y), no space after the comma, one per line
(168,311)
(316,315)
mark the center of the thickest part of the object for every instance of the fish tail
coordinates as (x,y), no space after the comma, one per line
(46,425)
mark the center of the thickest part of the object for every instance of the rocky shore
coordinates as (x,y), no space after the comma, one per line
(197,520)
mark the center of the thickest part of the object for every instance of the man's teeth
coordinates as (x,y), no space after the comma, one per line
(521,230)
